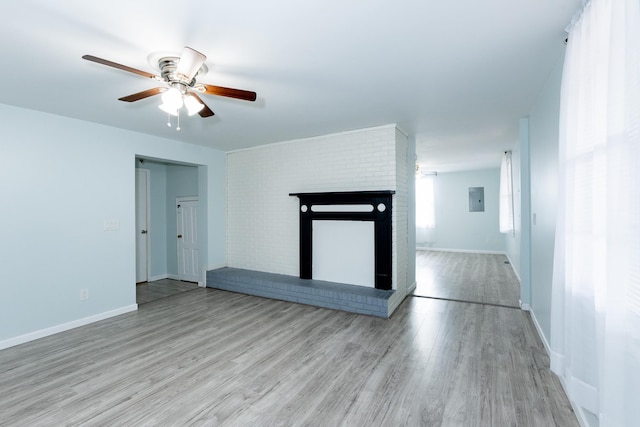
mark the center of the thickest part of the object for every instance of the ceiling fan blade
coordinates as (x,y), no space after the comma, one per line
(121,67)
(229,92)
(190,62)
(144,94)
(206,111)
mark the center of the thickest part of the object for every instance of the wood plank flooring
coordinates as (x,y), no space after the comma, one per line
(214,358)
(481,278)
(151,291)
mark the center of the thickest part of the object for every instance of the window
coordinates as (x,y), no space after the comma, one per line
(425,208)
(506,194)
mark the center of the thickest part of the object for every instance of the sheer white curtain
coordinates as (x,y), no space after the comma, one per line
(506,194)
(595,319)
(425,209)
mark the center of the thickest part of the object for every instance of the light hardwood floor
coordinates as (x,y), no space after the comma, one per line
(210,357)
(481,278)
(151,291)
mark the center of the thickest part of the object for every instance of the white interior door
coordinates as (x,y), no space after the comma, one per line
(142,221)
(187,215)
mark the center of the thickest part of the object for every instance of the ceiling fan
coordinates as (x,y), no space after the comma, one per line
(181,89)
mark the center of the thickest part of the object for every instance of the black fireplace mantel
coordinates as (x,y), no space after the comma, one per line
(380,201)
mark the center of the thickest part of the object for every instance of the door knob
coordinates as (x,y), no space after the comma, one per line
(143,232)
(179,236)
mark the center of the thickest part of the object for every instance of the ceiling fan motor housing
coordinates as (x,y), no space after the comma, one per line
(168,70)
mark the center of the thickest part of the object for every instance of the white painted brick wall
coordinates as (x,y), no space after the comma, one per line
(262,219)
(401,221)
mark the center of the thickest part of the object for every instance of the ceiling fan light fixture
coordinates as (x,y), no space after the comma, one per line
(193,105)
(168,109)
(172,99)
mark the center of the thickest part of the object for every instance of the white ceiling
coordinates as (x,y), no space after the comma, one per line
(455,74)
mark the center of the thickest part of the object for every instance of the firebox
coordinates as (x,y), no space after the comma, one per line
(372,206)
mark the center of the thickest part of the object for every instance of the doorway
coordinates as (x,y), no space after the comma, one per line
(166,181)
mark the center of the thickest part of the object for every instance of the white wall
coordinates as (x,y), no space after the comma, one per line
(61,179)
(543,142)
(262,218)
(456,227)
(411,217)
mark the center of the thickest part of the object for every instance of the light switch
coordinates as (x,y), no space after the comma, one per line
(111,225)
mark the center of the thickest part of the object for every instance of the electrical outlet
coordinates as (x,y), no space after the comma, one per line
(84,294)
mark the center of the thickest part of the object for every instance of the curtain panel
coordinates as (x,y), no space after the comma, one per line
(595,319)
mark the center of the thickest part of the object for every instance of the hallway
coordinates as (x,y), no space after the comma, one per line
(468,277)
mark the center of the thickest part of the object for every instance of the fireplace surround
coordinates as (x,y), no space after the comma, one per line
(373,206)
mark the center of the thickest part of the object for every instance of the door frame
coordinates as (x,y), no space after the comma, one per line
(147,201)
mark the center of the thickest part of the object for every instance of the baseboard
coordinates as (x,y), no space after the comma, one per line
(584,395)
(539,330)
(31,336)
(556,362)
(158,277)
(466,251)
(172,277)
(585,389)
(576,390)
(580,415)
(513,268)
(412,287)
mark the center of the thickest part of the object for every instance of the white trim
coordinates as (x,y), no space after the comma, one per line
(147,173)
(182,199)
(293,141)
(556,363)
(394,302)
(412,287)
(540,334)
(31,336)
(406,134)
(172,276)
(158,277)
(577,409)
(468,251)
(513,268)
(585,395)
